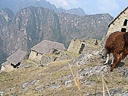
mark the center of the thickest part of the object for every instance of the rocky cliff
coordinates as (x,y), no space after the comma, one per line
(28,27)
(6,16)
(83,27)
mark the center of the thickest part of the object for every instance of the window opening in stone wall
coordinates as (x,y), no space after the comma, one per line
(125,22)
(82,47)
(36,54)
(123,30)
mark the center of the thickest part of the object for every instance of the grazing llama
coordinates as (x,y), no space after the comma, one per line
(117,44)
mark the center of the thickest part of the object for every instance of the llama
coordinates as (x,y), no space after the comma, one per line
(117,44)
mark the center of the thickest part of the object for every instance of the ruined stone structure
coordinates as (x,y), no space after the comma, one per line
(120,23)
(44,47)
(76,46)
(14,60)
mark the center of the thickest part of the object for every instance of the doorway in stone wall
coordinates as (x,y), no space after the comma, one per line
(81,48)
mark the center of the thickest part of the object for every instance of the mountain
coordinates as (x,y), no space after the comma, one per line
(83,27)
(75,11)
(28,27)
(6,16)
(34,24)
(17,5)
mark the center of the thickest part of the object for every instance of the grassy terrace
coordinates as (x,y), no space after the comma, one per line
(49,75)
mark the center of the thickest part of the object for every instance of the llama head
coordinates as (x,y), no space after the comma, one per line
(126,38)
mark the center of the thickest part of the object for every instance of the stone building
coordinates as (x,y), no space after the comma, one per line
(14,60)
(76,46)
(44,47)
(120,23)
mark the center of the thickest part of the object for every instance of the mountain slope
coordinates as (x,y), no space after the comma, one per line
(6,16)
(89,73)
(30,26)
(34,24)
(20,4)
(83,27)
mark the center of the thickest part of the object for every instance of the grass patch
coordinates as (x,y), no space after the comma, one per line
(61,73)
(73,54)
(93,46)
(53,55)
(48,75)
(13,78)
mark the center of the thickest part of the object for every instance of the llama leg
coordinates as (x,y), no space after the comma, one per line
(114,61)
(107,58)
(122,56)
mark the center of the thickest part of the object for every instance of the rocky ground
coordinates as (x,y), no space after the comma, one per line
(78,75)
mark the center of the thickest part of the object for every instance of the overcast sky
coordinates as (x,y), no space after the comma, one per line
(113,7)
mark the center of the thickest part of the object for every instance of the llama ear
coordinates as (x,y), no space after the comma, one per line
(126,37)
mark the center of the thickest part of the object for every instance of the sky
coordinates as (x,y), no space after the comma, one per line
(90,7)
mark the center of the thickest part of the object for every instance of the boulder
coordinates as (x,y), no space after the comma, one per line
(25,86)
(124,93)
(93,71)
(84,59)
(124,71)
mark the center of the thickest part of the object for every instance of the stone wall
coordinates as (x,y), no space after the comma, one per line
(35,56)
(7,68)
(118,24)
(75,46)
